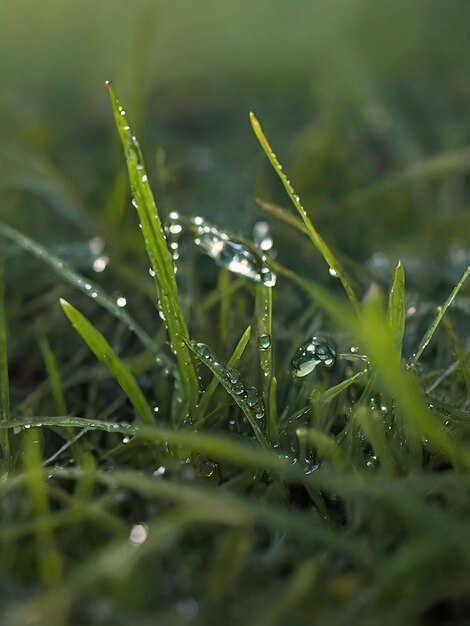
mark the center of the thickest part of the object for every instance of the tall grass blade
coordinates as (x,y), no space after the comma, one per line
(104,353)
(317,240)
(159,254)
(53,375)
(413,360)
(396,307)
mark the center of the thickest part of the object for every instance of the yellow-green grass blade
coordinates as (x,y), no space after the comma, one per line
(315,237)
(437,320)
(158,253)
(396,307)
(48,557)
(104,353)
(54,377)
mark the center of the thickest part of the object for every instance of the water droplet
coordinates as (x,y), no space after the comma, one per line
(160,471)
(313,352)
(333,272)
(121,302)
(138,534)
(264,341)
(96,245)
(262,237)
(100,263)
(202,350)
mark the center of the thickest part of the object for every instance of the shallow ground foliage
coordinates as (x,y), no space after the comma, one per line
(276,432)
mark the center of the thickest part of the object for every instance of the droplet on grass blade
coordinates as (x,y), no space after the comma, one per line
(315,351)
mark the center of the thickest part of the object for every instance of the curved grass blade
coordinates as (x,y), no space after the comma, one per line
(88,287)
(396,307)
(413,360)
(158,253)
(316,238)
(104,353)
(234,389)
(233,360)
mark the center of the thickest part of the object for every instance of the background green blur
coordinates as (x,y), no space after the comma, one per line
(366,103)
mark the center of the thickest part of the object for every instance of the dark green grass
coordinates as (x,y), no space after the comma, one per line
(141,487)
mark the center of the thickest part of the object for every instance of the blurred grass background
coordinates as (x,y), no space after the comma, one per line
(352,94)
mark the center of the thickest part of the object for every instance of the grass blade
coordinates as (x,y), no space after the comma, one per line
(233,360)
(264,321)
(203,353)
(159,254)
(436,321)
(396,307)
(104,353)
(316,238)
(53,375)
(86,286)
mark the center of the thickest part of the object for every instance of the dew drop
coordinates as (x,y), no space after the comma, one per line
(315,351)
(264,341)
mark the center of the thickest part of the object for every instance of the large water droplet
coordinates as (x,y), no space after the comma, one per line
(264,342)
(313,352)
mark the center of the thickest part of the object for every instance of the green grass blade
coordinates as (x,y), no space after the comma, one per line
(104,353)
(4,380)
(396,307)
(273,425)
(88,287)
(436,321)
(233,360)
(159,254)
(53,375)
(316,238)
(203,353)
(334,391)
(264,322)
(49,558)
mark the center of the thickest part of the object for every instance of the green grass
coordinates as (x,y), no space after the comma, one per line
(217,494)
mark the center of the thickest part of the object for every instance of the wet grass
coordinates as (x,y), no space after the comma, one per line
(171,468)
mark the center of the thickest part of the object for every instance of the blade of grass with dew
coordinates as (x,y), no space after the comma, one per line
(334,391)
(203,353)
(49,558)
(315,237)
(413,360)
(159,254)
(88,287)
(104,353)
(53,375)
(233,360)
(4,379)
(264,322)
(396,307)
